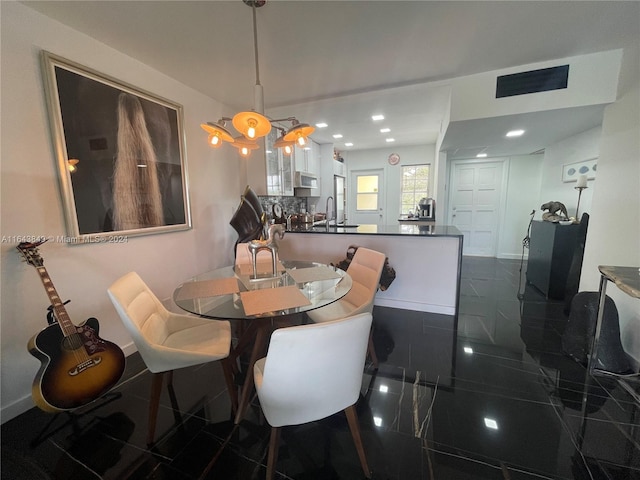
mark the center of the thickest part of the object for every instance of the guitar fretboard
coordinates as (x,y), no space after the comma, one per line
(68,328)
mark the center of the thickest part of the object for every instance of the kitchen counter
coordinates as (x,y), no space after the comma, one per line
(427,259)
(431,230)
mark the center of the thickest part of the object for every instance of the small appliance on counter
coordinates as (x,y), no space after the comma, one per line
(427,208)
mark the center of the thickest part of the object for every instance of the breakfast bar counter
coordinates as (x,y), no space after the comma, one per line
(427,259)
(400,229)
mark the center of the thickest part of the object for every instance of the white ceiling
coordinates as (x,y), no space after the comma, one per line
(341,61)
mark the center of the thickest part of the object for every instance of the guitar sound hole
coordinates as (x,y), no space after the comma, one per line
(72,342)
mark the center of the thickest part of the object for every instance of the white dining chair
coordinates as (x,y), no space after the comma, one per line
(365,270)
(312,372)
(168,341)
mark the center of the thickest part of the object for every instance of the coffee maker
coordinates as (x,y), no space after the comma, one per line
(427,208)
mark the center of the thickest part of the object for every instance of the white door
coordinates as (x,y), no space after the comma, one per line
(366,197)
(475,205)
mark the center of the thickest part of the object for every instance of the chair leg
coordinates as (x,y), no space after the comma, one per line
(354,426)
(262,336)
(372,351)
(154,403)
(227,369)
(272,456)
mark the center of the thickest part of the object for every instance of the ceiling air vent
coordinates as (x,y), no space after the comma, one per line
(543,80)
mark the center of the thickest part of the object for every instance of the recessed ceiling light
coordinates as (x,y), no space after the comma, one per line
(384,388)
(322,125)
(337,135)
(389,140)
(348,144)
(515,133)
(385,130)
(377,117)
(468,350)
(481,155)
(377,421)
(490,423)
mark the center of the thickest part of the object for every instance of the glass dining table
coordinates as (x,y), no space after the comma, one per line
(260,302)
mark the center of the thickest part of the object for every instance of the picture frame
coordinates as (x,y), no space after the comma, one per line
(571,171)
(120,155)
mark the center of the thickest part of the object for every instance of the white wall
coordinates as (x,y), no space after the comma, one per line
(377,158)
(614,225)
(583,146)
(523,188)
(593,79)
(30,201)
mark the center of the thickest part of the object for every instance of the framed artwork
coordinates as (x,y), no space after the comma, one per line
(571,171)
(120,155)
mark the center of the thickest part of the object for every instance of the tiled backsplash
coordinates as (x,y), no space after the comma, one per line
(289,204)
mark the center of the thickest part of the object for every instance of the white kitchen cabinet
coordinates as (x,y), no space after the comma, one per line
(269,172)
(306,158)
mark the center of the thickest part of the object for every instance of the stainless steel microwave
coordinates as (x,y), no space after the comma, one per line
(305,180)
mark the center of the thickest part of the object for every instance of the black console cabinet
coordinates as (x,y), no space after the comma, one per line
(551,248)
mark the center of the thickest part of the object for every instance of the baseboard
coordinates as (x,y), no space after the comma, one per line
(416,306)
(129,348)
(512,256)
(16,408)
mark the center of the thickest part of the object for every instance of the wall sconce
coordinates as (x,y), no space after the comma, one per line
(71,164)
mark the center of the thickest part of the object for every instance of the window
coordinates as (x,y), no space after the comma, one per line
(415,185)
(367,194)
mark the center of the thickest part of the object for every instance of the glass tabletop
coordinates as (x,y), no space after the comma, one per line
(318,283)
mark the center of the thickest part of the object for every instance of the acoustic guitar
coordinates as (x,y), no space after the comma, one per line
(77,366)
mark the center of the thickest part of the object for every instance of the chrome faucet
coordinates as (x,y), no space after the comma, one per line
(329,215)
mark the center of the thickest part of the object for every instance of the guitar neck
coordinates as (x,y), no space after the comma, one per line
(58,307)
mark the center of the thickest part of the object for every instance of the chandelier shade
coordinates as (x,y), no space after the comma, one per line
(286,146)
(244,145)
(298,133)
(217,133)
(251,124)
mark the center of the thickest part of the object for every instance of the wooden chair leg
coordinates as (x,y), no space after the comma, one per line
(372,351)
(262,336)
(227,369)
(272,456)
(354,426)
(154,403)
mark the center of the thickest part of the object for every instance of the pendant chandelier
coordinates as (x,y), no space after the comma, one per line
(252,124)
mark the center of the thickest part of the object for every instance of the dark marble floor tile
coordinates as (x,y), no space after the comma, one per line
(490,394)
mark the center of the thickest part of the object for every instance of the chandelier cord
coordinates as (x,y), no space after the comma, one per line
(255,43)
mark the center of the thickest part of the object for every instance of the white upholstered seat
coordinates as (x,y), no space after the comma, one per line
(311,372)
(166,340)
(365,270)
